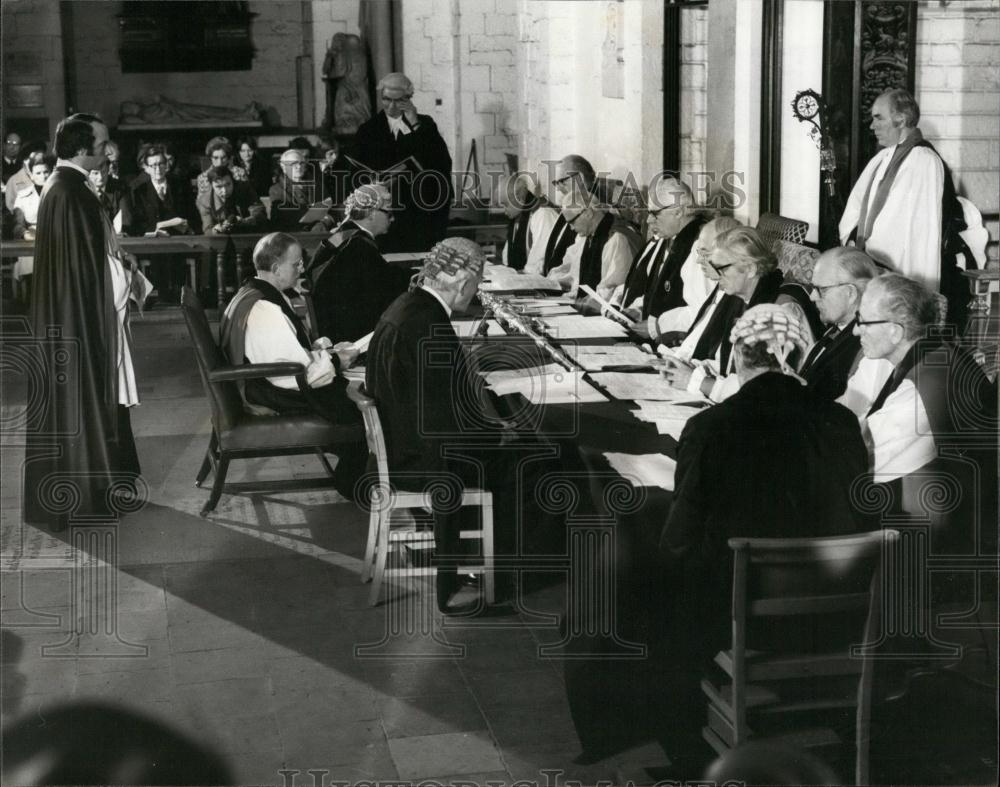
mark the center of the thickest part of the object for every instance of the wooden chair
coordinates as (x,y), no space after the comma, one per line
(238,434)
(775,680)
(387,532)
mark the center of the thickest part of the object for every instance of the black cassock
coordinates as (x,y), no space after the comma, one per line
(79,440)
(424,198)
(352,284)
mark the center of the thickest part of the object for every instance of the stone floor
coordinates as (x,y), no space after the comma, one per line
(250,630)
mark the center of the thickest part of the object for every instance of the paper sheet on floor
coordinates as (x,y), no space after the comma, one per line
(576,326)
(644,469)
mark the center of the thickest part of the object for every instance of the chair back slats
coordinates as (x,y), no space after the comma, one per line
(223,397)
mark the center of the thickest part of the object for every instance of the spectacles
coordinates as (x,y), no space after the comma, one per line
(157,164)
(401,100)
(862,323)
(563,182)
(718,268)
(822,289)
(299,263)
(654,213)
(573,220)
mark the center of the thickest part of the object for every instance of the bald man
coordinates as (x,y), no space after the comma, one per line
(424,196)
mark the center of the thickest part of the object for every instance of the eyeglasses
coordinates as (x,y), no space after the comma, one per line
(573,220)
(718,268)
(563,183)
(822,289)
(654,213)
(299,263)
(862,323)
(157,164)
(401,100)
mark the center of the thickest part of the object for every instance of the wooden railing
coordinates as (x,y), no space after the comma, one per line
(217,249)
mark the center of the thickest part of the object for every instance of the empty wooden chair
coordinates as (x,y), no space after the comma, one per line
(799,605)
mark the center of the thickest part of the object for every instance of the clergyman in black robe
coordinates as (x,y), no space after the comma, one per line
(79,443)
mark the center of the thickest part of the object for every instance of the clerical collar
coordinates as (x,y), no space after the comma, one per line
(67,163)
(437,295)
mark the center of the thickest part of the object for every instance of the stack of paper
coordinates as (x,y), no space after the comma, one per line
(500,278)
(500,377)
(575,326)
(669,418)
(626,385)
(595,358)
(644,469)
(523,300)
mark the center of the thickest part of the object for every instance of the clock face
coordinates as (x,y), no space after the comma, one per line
(806,106)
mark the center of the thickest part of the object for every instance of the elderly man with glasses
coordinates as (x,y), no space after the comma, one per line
(293,192)
(422,188)
(574,179)
(840,278)
(350,281)
(914,391)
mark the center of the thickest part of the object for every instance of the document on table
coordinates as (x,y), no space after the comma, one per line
(499,278)
(468,329)
(548,310)
(502,377)
(529,302)
(361,345)
(595,358)
(576,326)
(659,410)
(644,469)
(558,387)
(638,385)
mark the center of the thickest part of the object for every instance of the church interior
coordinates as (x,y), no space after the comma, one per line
(262,622)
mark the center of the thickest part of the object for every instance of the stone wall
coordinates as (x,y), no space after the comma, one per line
(33,55)
(694,93)
(958,89)
(277,37)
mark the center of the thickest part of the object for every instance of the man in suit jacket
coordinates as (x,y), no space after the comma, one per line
(351,283)
(230,206)
(840,277)
(394,135)
(157,198)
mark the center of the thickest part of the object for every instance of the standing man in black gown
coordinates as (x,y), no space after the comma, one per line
(79,445)
(421,191)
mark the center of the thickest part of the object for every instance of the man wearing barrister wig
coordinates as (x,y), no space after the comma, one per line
(423,191)
(774,460)
(438,421)
(351,283)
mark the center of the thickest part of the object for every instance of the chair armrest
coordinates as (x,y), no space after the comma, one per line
(254,371)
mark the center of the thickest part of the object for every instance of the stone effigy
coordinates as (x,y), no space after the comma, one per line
(345,71)
(162,110)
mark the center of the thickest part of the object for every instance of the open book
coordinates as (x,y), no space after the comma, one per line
(409,164)
(174,226)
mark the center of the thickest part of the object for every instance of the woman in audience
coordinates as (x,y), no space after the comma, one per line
(748,272)
(26,202)
(220,154)
(258,169)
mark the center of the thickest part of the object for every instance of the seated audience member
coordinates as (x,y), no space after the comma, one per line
(109,191)
(291,195)
(749,271)
(158,200)
(336,175)
(220,154)
(11,162)
(435,412)
(229,207)
(21,179)
(260,326)
(258,169)
(26,204)
(935,390)
(575,179)
(701,288)
(840,277)
(602,253)
(114,155)
(530,220)
(654,281)
(350,282)
(775,460)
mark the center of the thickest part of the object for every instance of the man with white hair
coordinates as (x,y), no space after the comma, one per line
(840,277)
(902,210)
(350,281)
(423,194)
(531,220)
(292,194)
(654,282)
